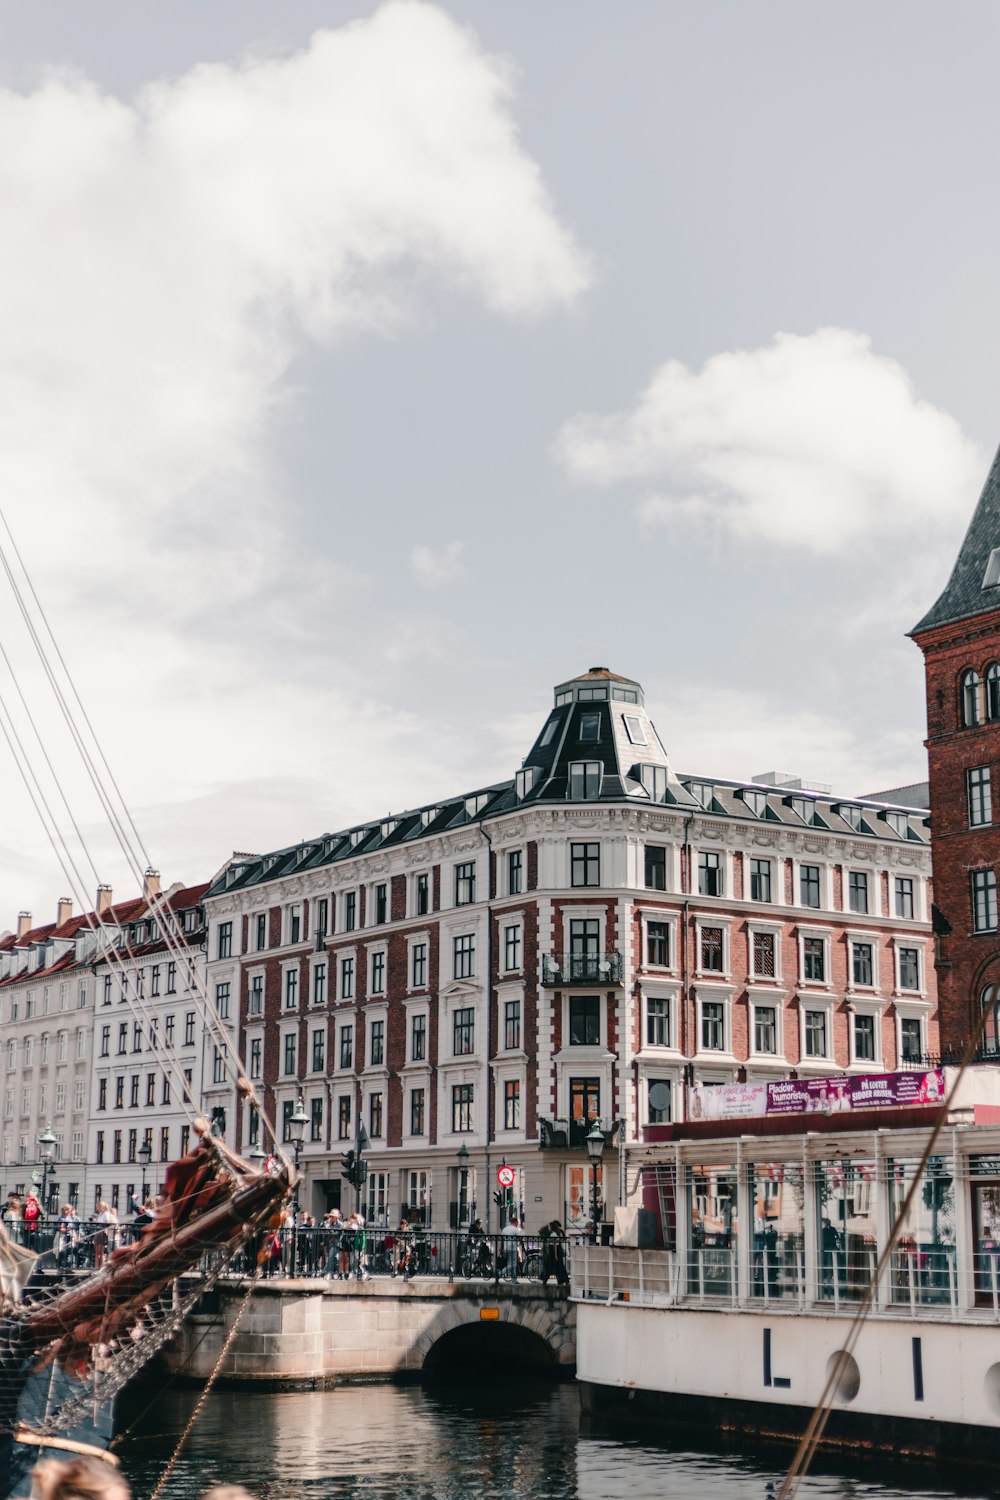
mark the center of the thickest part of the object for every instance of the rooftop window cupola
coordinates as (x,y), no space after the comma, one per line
(598,685)
(974,585)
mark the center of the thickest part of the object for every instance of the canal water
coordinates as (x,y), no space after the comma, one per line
(510,1441)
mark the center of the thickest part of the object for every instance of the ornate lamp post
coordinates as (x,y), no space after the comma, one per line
(296,1135)
(48,1143)
(463,1186)
(595,1150)
(145,1157)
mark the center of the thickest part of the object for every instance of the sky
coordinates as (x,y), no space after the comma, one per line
(368,369)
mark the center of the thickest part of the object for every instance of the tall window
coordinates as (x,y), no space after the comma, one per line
(462,1096)
(347,979)
(809,885)
(346,1046)
(980,799)
(418,1038)
(378,973)
(864,1038)
(816,1033)
(909,968)
(417,1111)
(316,1119)
(319,984)
(290,1050)
(862,968)
(376,1047)
(512,1024)
(585,864)
(984,900)
(291,988)
(257,995)
(322,923)
(225,947)
(350,911)
(904,897)
(709,874)
(418,966)
(512,947)
(256,1056)
(658,1101)
(295,924)
(585,1020)
(465,883)
(970,699)
(465,956)
(658,944)
(375,1115)
(584,948)
(381,904)
(857,891)
(911,1041)
(993,691)
(464,1031)
(512,1104)
(711,949)
(218,1066)
(584,780)
(765,1029)
(344,1118)
(656,867)
(260,931)
(423,894)
(713,1026)
(764,955)
(515,873)
(319,1049)
(222,994)
(760,880)
(814,959)
(590,728)
(657,1021)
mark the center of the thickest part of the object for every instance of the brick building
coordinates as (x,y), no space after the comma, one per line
(480,979)
(960,639)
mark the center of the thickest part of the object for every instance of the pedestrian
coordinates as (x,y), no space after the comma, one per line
(554,1253)
(67,1236)
(32,1216)
(360,1244)
(513,1255)
(347,1233)
(11,1214)
(332,1224)
(105,1219)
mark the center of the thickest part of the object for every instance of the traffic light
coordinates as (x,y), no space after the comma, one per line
(349,1167)
(499,1199)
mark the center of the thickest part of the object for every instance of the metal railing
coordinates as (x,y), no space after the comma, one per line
(311,1253)
(918,1281)
(560,969)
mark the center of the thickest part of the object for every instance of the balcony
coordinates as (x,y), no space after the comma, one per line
(562,969)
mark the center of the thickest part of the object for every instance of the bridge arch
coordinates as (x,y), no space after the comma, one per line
(530,1337)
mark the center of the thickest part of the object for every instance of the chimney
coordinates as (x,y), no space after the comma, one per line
(151,884)
(23,923)
(64,910)
(103,902)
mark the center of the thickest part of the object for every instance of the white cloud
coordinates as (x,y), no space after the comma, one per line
(433,569)
(813,442)
(163,261)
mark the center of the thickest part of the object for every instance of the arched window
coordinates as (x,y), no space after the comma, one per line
(970,699)
(991,1028)
(993,690)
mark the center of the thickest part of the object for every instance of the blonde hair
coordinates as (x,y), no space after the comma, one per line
(227,1492)
(77,1479)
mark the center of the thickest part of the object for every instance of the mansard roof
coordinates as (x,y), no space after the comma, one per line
(974,585)
(597,745)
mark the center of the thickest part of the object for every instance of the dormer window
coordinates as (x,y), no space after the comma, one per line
(634,729)
(428,815)
(357,836)
(852,815)
(898,822)
(388,827)
(992,575)
(654,779)
(550,733)
(590,728)
(755,802)
(525,780)
(475,805)
(702,791)
(584,780)
(801,807)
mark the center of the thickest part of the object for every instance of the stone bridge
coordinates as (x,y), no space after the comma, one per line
(310,1333)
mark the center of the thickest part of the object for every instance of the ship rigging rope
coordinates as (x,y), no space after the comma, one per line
(813,1434)
(122,825)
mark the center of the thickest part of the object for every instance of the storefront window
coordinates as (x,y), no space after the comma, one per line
(714,1230)
(845,1205)
(923,1259)
(777,1265)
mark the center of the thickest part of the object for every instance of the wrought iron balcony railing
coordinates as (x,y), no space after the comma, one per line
(561,969)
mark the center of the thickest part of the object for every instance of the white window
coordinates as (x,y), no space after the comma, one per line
(584,782)
(713,1020)
(765,952)
(659,1017)
(817,1032)
(634,729)
(814,956)
(512,947)
(909,968)
(766,1037)
(866,1036)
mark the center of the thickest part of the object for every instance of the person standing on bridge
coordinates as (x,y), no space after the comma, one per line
(513,1257)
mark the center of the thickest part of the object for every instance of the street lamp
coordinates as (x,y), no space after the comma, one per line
(145,1157)
(48,1143)
(595,1150)
(296,1135)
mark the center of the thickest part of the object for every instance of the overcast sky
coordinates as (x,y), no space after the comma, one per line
(366,370)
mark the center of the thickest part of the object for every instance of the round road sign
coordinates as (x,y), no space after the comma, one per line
(505,1176)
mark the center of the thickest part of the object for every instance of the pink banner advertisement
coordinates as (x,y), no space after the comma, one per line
(799,1096)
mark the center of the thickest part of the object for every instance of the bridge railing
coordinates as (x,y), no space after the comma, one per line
(309,1253)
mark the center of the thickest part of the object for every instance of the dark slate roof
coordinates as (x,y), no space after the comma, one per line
(964,595)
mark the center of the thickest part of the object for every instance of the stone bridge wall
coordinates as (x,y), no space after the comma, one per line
(319,1335)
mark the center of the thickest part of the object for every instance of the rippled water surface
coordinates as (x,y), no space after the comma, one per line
(483,1443)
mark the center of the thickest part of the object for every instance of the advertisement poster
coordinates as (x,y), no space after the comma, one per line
(802,1096)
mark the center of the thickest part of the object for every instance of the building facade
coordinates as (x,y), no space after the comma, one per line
(960,639)
(478,981)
